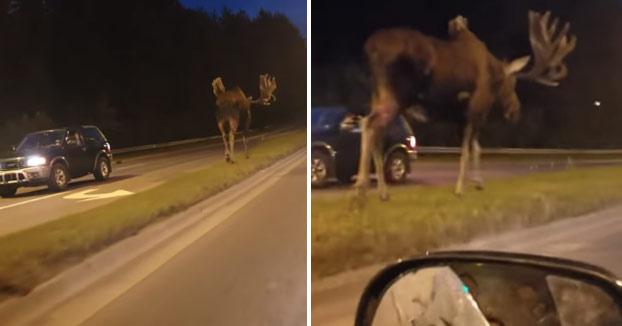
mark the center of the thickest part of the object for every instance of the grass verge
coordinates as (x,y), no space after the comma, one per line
(124,157)
(454,157)
(417,219)
(32,256)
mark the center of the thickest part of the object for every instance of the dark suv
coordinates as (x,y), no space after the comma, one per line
(336,146)
(53,157)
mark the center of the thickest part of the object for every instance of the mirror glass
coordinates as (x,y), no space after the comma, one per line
(478,294)
(350,122)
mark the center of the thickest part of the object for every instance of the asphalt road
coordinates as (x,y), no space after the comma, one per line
(251,270)
(594,238)
(239,258)
(33,206)
(426,173)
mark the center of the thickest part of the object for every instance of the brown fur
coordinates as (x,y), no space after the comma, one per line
(232,104)
(410,69)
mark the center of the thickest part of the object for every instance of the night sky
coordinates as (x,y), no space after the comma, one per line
(295,10)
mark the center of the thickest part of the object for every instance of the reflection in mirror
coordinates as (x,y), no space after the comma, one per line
(350,122)
(494,294)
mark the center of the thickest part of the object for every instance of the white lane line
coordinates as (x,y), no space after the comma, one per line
(30,201)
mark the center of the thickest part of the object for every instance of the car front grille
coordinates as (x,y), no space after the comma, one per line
(10,165)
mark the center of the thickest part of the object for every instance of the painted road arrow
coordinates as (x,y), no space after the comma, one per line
(87,196)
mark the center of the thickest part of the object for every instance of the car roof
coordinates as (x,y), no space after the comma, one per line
(47,130)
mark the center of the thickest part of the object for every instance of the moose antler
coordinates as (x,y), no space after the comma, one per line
(548,51)
(267,86)
(218,86)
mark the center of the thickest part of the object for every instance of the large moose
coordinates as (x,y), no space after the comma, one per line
(456,79)
(232,104)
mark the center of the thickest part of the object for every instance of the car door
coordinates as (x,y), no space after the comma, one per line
(95,143)
(347,144)
(77,153)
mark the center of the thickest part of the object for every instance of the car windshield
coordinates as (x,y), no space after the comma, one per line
(41,140)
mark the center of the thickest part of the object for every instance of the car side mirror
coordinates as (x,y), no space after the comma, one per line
(71,141)
(347,127)
(491,289)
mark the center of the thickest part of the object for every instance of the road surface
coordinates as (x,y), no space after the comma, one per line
(425,172)
(244,263)
(33,206)
(593,238)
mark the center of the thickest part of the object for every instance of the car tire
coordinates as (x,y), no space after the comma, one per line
(102,169)
(396,167)
(7,192)
(320,168)
(59,177)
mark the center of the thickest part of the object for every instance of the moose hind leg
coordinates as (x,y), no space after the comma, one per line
(245,131)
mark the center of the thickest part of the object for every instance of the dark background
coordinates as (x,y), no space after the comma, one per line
(552,117)
(140,69)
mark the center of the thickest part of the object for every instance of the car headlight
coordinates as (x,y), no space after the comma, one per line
(35,161)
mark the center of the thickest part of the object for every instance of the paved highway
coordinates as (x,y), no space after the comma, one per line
(239,259)
(32,206)
(593,238)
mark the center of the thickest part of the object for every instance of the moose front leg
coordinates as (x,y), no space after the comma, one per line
(233,129)
(221,127)
(377,154)
(464,158)
(476,152)
(362,179)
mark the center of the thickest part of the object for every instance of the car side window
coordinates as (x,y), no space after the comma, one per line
(92,133)
(74,138)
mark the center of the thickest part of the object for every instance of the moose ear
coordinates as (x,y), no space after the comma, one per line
(516,65)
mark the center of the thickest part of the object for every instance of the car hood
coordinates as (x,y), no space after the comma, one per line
(30,152)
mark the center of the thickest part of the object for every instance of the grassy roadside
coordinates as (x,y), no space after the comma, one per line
(124,157)
(423,218)
(520,157)
(30,257)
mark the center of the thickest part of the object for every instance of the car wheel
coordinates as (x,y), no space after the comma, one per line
(396,167)
(320,168)
(6,192)
(102,169)
(59,177)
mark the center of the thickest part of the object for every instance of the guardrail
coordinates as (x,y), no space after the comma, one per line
(179,142)
(525,151)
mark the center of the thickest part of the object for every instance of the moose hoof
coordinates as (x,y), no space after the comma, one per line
(459,193)
(385,197)
(479,186)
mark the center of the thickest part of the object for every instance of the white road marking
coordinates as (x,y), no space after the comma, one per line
(28,201)
(85,196)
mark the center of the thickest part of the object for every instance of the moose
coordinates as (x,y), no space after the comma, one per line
(457,79)
(232,104)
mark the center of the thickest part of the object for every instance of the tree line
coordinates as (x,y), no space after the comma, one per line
(140,69)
